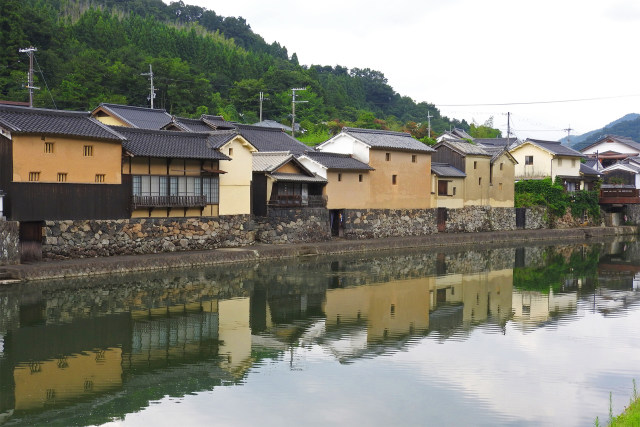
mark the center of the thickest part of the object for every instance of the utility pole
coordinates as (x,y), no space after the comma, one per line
(568,131)
(152,91)
(429,116)
(262,98)
(293,109)
(29,51)
(508,128)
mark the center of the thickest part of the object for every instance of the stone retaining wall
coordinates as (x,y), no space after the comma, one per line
(284,225)
(380,223)
(9,242)
(90,238)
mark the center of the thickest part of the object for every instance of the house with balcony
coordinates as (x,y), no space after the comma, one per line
(182,174)
(611,149)
(621,183)
(538,159)
(347,178)
(280,180)
(400,174)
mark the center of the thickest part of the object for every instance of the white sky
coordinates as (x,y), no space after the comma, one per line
(451,52)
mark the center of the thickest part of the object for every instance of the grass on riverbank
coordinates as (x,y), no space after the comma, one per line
(630,416)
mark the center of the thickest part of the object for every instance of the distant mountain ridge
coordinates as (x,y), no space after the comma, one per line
(628,125)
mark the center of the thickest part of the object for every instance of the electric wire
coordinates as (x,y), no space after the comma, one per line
(45,82)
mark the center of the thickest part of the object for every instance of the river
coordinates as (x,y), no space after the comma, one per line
(487,336)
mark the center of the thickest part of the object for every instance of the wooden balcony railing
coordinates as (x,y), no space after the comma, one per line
(619,195)
(168,201)
(295,200)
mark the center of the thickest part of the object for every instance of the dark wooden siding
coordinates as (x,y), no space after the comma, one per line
(446,155)
(27,201)
(259,194)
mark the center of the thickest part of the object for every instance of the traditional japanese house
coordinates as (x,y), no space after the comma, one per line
(281,180)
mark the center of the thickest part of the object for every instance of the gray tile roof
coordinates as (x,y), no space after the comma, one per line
(139,117)
(297,177)
(445,170)
(621,139)
(464,148)
(274,124)
(555,147)
(595,164)
(172,144)
(271,139)
(191,125)
(337,161)
(270,161)
(495,142)
(54,122)
(218,122)
(586,170)
(387,139)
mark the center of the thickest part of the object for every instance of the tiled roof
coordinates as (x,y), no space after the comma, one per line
(464,148)
(387,139)
(271,139)
(495,142)
(297,177)
(621,139)
(54,122)
(595,164)
(191,125)
(496,152)
(555,147)
(586,170)
(172,144)
(337,161)
(217,122)
(270,161)
(139,117)
(274,124)
(445,170)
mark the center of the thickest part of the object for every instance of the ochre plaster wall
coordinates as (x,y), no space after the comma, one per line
(67,157)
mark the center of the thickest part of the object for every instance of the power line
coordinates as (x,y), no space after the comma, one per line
(537,102)
(45,82)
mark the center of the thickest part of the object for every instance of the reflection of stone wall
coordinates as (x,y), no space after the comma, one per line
(378,223)
(294,226)
(9,247)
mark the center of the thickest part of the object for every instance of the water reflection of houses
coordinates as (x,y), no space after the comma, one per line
(111,348)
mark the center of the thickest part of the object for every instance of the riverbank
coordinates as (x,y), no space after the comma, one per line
(261,252)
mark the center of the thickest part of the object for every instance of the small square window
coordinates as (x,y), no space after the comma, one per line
(501,165)
(528,160)
(62,177)
(230,151)
(387,156)
(414,158)
(48,147)
(475,165)
(360,178)
(34,176)
(88,150)
(99,177)
(454,191)
(339,177)
(394,179)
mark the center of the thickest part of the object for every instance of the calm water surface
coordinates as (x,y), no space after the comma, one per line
(537,335)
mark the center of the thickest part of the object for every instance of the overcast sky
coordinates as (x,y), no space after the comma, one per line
(462,55)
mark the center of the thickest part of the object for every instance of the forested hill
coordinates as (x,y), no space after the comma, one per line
(628,126)
(92,51)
